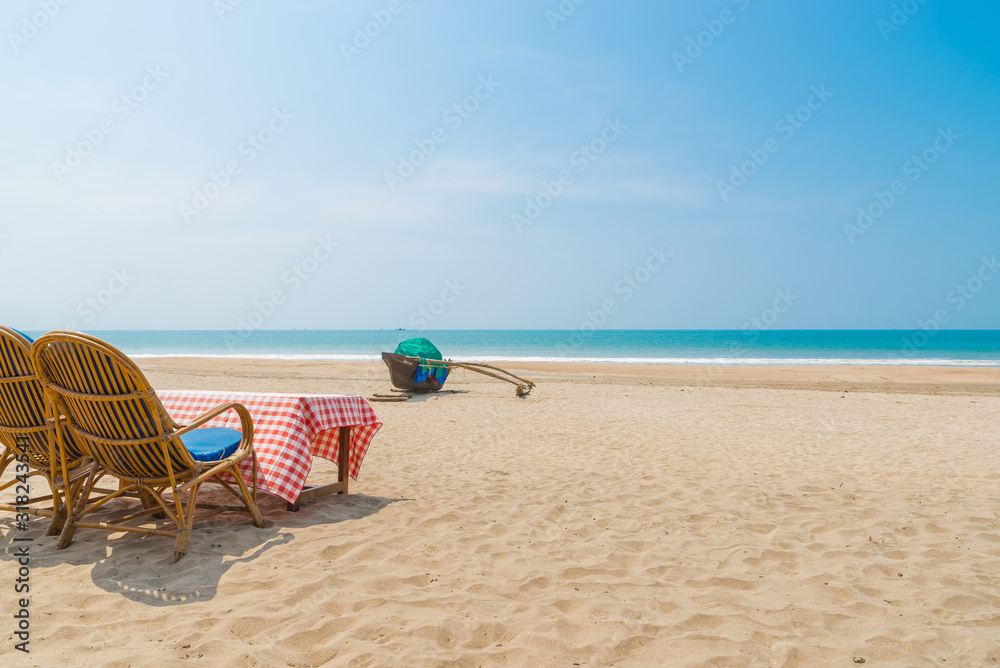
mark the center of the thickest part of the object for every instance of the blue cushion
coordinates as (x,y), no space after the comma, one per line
(210,444)
(30,340)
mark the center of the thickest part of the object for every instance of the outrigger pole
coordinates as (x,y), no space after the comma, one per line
(523,385)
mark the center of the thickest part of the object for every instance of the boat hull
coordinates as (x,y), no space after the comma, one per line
(403,371)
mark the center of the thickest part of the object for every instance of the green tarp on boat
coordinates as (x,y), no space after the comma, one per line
(425,350)
(421,348)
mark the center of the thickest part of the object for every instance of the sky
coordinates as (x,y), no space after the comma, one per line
(499,164)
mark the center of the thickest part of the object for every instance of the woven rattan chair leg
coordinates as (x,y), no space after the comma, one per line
(5,459)
(147,500)
(58,511)
(58,520)
(66,535)
(258,519)
(181,545)
(184,534)
(73,510)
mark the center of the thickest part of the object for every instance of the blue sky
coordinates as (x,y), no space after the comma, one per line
(311,230)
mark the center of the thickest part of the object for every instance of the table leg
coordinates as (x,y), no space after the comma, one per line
(344,459)
(311,493)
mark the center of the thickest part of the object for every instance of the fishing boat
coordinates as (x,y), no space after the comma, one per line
(418,366)
(403,372)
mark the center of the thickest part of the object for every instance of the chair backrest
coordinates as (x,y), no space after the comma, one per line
(23,426)
(110,406)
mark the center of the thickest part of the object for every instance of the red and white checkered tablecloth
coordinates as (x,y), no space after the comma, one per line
(288,431)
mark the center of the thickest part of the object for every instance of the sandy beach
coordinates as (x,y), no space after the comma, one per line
(620,515)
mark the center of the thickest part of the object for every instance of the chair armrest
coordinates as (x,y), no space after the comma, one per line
(246,422)
(245,448)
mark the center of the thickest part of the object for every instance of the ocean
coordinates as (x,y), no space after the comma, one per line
(715,347)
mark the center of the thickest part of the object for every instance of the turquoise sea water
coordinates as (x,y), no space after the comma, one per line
(941,348)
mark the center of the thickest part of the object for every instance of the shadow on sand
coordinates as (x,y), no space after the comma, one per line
(419,397)
(138,566)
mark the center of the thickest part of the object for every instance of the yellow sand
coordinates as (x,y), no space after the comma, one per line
(620,515)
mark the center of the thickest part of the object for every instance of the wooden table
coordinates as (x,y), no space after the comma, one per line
(289,430)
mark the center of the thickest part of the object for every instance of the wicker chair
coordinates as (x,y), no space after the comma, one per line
(27,433)
(110,407)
